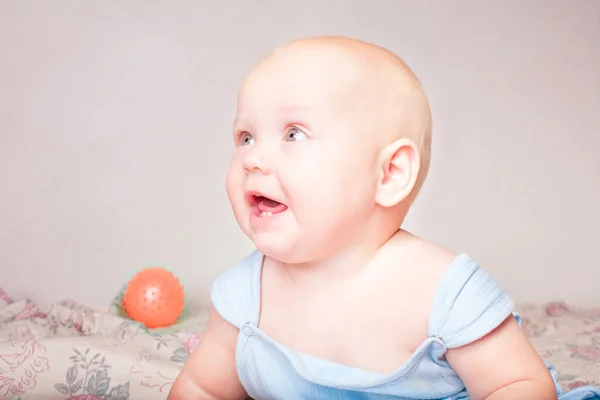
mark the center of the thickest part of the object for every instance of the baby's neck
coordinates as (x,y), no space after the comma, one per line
(343,266)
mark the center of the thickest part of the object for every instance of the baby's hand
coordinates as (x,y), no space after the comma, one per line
(503,365)
(210,373)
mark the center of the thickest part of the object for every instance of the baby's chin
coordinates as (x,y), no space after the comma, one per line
(278,247)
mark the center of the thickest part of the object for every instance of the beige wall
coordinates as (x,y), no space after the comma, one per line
(115,124)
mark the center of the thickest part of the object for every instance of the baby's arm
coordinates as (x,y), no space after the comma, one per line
(503,365)
(210,373)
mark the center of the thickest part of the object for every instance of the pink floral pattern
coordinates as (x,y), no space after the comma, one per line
(20,368)
(70,351)
(190,340)
(4,298)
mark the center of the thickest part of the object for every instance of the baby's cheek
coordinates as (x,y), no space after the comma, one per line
(321,185)
(323,206)
(230,186)
(234,180)
(235,194)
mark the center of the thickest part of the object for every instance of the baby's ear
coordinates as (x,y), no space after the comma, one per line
(399,163)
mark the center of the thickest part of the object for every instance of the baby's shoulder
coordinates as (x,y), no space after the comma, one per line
(421,261)
(433,269)
(463,302)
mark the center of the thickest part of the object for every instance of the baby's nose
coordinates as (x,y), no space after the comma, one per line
(254,161)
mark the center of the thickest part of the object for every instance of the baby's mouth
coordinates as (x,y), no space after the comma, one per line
(263,207)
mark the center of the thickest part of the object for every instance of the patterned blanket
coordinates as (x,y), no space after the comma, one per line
(69,351)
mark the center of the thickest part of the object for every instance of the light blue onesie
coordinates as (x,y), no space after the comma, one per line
(468,304)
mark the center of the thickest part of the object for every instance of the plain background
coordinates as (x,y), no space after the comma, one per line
(115,135)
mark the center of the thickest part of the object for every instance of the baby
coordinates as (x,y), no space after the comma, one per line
(332,144)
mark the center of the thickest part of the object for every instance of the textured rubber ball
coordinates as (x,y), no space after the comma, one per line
(154,297)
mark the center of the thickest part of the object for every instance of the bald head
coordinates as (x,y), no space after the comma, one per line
(355,51)
(371,84)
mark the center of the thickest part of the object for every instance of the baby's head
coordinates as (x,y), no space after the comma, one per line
(332,143)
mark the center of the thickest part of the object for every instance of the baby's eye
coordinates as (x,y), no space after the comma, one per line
(294,134)
(246,139)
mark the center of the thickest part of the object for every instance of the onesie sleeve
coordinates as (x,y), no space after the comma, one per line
(235,293)
(468,305)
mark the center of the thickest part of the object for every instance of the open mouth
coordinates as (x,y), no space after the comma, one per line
(263,206)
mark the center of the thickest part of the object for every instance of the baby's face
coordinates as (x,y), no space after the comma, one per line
(303,176)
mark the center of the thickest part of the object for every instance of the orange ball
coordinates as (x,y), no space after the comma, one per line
(154,297)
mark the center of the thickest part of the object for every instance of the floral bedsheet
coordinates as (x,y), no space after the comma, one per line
(69,351)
